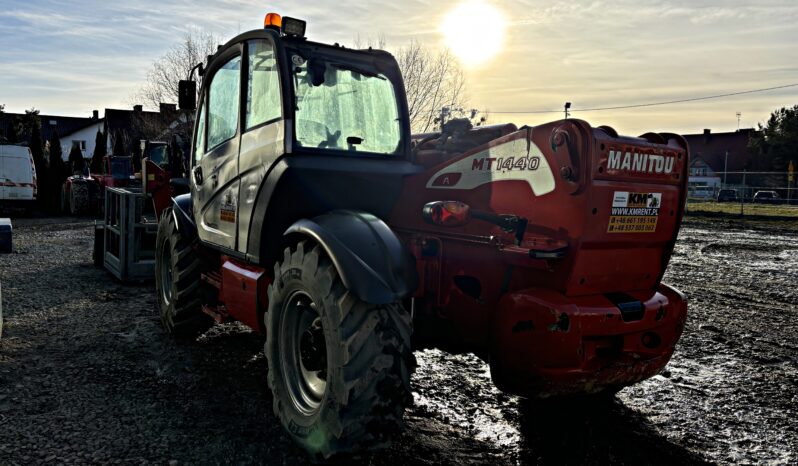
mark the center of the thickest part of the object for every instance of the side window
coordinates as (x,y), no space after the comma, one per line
(263,84)
(223,103)
(199,142)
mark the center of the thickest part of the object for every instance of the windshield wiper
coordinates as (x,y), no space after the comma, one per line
(364,72)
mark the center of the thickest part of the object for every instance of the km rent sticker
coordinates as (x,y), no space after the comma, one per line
(634,212)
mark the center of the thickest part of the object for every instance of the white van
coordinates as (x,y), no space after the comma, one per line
(17,176)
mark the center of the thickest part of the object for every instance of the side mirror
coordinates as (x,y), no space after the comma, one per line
(187,95)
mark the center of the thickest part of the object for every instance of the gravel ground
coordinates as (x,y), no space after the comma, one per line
(88,377)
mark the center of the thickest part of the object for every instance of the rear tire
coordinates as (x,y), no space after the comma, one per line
(339,368)
(78,198)
(177,282)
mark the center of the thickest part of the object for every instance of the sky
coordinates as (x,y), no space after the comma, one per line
(70,57)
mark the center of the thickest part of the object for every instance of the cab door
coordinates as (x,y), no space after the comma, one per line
(214,180)
(263,135)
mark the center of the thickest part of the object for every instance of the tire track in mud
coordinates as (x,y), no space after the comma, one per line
(87,376)
(736,366)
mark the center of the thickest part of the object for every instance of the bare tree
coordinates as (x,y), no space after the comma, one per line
(377,42)
(433,81)
(176,64)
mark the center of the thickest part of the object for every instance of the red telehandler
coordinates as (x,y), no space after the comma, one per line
(315,218)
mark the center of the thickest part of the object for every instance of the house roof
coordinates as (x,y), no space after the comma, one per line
(712,147)
(124,120)
(138,124)
(63,124)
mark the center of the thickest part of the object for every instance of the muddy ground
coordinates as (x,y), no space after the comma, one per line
(87,376)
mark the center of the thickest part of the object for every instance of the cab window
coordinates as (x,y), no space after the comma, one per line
(223,101)
(263,84)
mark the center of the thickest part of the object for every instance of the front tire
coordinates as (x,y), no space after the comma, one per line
(78,198)
(177,282)
(339,368)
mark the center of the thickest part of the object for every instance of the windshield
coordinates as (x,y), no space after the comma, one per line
(158,155)
(344,107)
(120,168)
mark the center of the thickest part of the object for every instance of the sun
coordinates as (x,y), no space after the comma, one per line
(474,31)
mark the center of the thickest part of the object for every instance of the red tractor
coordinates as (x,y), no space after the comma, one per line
(82,194)
(315,218)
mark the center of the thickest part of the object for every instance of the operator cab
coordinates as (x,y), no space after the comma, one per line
(273,104)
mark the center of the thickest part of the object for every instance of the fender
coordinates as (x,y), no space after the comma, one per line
(183,212)
(371,260)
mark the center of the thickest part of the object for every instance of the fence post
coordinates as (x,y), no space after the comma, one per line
(742,198)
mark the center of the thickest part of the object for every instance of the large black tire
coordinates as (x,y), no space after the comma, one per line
(177,282)
(339,368)
(78,199)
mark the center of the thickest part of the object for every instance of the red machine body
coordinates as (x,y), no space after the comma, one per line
(85,193)
(570,300)
(577,304)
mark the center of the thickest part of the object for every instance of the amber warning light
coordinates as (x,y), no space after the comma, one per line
(273,21)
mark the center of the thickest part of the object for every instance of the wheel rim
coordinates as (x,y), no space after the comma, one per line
(166,274)
(303,351)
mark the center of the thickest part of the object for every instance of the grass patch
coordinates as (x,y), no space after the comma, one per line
(733,209)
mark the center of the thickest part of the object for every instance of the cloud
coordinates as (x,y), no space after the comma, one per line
(71,57)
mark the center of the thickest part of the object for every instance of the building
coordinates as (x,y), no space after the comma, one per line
(76,129)
(137,124)
(725,154)
(84,138)
(133,125)
(703,181)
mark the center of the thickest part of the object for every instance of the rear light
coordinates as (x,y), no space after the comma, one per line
(447,213)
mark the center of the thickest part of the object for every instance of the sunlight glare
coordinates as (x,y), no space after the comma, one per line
(474,31)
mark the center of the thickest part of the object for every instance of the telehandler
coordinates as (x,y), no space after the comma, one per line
(317,219)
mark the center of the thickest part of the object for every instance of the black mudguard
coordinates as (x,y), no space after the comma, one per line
(183,211)
(371,260)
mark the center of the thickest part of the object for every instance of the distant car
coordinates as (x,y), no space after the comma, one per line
(767,197)
(728,195)
(701,192)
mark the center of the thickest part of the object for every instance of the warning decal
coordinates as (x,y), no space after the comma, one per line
(227,211)
(634,212)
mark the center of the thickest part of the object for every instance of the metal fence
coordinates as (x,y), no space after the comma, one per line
(744,193)
(128,235)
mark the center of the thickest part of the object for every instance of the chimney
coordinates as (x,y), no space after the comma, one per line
(706,134)
(138,108)
(167,108)
(95,115)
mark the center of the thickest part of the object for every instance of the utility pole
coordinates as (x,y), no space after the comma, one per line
(725,168)
(739,114)
(567,106)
